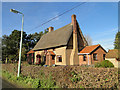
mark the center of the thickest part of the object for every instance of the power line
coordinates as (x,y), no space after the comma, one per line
(56,16)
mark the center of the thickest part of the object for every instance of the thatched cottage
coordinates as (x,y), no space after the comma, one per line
(61,46)
(65,46)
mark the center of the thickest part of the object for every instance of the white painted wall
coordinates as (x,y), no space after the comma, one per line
(114,61)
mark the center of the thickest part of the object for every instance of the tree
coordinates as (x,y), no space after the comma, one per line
(46,31)
(5,46)
(88,39)
(0,48)
(11,43)
(117,41)
(32,39)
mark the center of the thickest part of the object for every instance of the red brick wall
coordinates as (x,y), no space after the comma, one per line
(99,53)
(81,60)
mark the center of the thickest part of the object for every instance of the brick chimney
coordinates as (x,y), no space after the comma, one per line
(51,29)
(74,23)
(74,60)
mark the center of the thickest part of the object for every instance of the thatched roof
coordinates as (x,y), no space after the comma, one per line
(113,53)
(59,37)
(54,38)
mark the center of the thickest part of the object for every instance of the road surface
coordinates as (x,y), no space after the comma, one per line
(6,84)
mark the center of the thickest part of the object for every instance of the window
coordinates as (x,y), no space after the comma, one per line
(103,56)
(95,56)
(44,58)
(84,57)
(118,59)
(59,58)
(53,57)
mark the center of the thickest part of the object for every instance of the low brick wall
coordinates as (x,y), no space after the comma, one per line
(89,77)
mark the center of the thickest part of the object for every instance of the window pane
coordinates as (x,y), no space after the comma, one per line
(103,56)
(59,58)
(84,57)
(53,57)
(95,56)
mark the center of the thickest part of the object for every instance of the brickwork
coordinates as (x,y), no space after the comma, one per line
(100,52)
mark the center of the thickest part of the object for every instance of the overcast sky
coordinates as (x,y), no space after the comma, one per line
(97,19)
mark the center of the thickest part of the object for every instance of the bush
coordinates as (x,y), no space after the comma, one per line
(105,64)
(75,77)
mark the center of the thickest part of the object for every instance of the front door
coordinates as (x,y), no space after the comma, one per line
(38,59)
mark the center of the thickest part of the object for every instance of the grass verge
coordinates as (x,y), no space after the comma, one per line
(28,82)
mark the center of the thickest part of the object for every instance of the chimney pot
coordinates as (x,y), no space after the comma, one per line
(51,29)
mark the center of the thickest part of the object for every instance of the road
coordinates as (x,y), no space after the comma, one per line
(6,84)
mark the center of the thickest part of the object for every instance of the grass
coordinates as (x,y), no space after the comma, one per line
(14,80)
(28,82)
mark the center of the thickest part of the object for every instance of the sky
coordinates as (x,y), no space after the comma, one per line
(99,20)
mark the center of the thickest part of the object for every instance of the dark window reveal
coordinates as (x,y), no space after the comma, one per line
(53,57)
(95,56)
(59,58)
(84,57)
(103,56)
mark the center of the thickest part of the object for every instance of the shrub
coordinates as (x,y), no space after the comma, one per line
(73,73)
(48,82)
(98,64)
(75,77)
(105,64)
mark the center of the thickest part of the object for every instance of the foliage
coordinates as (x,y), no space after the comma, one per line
(0,48)
(11,44)
(75,77)
(117,41)
(105,64)
(47,82)
(32,39)
(32,83)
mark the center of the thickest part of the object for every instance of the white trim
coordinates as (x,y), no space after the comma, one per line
(85,54)
(88,60)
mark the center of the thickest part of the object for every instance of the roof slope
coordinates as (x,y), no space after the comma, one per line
(51,52)
(55,38)
(89,49)
(113,53)
(31,51)
(83,38)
